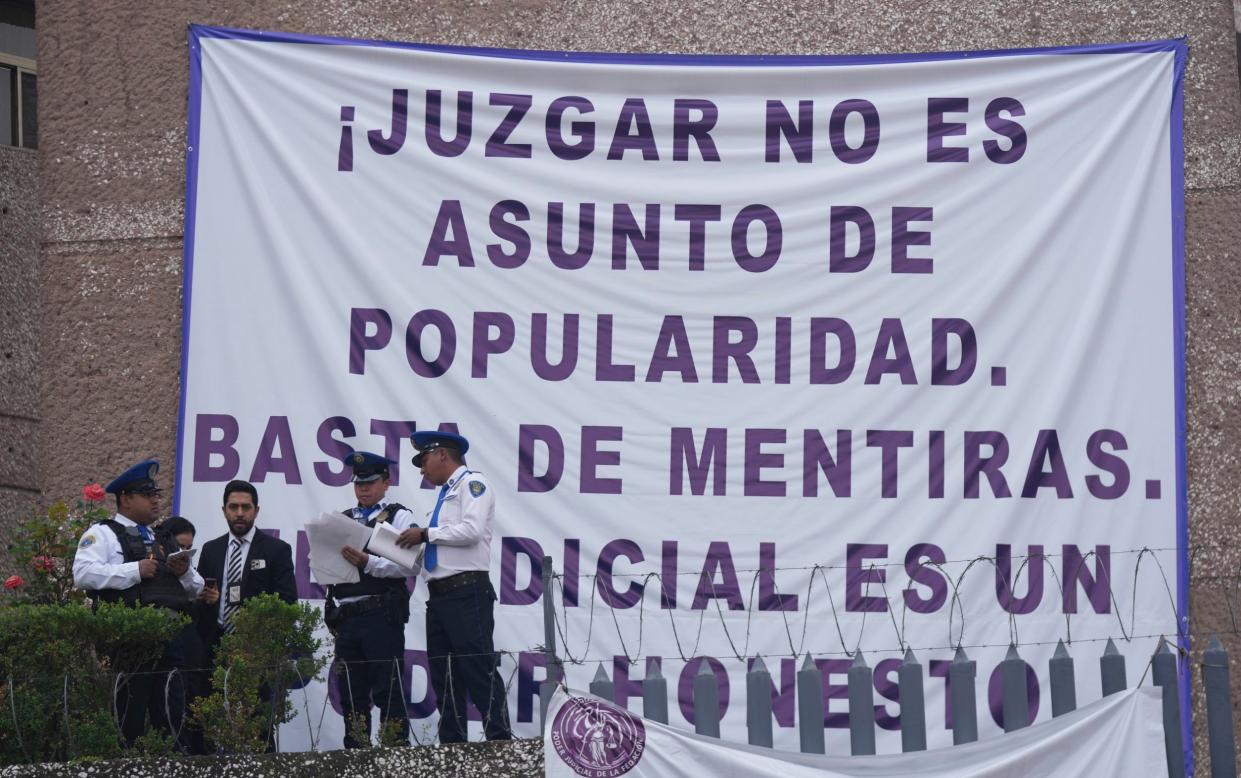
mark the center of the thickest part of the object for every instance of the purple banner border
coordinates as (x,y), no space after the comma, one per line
(1178,46)
(198,32)
(1176,145)
(193,115)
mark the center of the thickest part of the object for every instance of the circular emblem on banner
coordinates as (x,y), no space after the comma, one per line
(596,739)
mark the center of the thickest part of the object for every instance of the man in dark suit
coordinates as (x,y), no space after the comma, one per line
(242,563)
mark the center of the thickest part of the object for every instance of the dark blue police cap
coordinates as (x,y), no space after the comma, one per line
(138,479)
(428,441)
(368,467)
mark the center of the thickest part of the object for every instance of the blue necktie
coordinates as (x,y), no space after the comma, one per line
(366,512)
(429,559)
(146,533)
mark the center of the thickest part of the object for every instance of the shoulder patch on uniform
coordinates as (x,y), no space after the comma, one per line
(477,488)
(87,541)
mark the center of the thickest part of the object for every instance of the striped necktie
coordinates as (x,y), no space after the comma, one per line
(232,579)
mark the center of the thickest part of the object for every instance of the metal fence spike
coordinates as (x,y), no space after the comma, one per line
(758,704)
(1164,675)
(1215,681)
(810,708)
(1063,681)
(654,693)
(706,701)
(913,704)
(861,707)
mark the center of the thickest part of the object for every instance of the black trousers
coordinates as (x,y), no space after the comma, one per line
(156,692)
(370,656)
(463,660)
(198,666)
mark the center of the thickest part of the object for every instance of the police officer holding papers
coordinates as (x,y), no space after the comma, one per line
(368,617)
(123,560)
(461,600)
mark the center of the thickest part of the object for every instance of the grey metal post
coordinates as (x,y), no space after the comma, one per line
(913,704)
(1163,674)
(961,674)
(601,685)
(1015,698)
(810,708)
(547,687)
(1219,710)
(861,707)
(706,701)
(1063,682)
(1112,669)
(758,704)
(655,694)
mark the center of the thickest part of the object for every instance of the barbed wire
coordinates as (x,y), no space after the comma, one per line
(1198,548)
(314,729)
(818,599)
(956,621)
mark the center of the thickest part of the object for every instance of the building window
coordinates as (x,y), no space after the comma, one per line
(19,86)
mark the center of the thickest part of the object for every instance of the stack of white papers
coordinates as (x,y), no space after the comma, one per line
(383,543)
(328,534)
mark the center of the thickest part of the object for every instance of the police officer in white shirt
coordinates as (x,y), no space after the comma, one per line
(368,617)
(123,560)
(461,600)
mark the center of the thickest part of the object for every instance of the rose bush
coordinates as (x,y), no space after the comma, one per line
(45,545)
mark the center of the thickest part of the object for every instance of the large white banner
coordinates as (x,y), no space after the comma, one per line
(775,356)
(1118,735)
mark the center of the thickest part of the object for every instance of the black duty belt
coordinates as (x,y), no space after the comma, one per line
(360,607)
(441,586)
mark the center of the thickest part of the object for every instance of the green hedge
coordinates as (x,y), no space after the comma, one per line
(58,667)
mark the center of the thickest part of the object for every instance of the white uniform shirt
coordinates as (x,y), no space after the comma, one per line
(99,562)
(462,535)
(376,565)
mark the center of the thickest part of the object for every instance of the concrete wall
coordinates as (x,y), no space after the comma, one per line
(113,80)
(512,759)
(20,315)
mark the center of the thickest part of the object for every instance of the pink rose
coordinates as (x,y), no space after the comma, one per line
(13,581)
(93,492)
(41,564)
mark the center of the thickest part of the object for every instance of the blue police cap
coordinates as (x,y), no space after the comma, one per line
(368,467)
(139,478)
(428,441)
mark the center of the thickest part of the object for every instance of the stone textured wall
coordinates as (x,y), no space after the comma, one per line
(113,81)
(19,340)
(514,759)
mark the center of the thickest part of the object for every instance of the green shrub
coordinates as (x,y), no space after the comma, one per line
(58,668)
(272,646)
